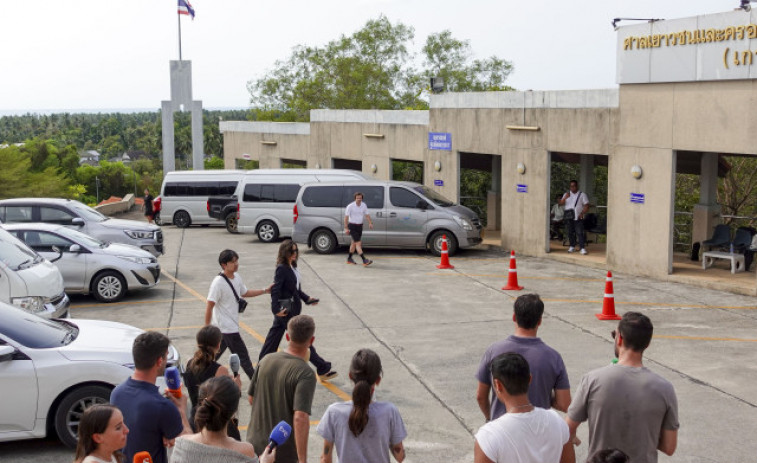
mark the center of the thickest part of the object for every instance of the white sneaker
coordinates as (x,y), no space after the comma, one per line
(584,251)
(571,249)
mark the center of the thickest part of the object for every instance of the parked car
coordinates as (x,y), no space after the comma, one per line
(28,281)
(83,218)
(404,214)
(88,265)
(224,207)
(52,370)
(185,194)
(266,197)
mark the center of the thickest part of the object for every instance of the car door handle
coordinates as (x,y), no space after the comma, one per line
(379,214)
(393,214)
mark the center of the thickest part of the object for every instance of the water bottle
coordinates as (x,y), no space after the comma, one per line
(731,247)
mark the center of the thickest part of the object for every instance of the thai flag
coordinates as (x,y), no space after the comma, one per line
(186,8)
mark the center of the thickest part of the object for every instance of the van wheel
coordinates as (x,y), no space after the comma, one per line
(181,219)
(109,286)
(156,219)
(267,231)
(324,242)
(69,411)
(435,243)
(231,223)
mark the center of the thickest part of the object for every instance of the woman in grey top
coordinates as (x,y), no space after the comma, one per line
(218,401)
(361,430)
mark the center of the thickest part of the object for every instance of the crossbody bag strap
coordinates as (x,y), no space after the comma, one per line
(578,196)
(230,285)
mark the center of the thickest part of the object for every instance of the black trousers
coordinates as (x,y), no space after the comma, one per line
(237,346)
(273,339)
(576,227)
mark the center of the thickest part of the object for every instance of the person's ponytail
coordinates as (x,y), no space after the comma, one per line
(208,339)
(365,371)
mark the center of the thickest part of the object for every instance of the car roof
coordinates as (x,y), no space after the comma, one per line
(36,201)
(33,226)
(206,172)
(365,183)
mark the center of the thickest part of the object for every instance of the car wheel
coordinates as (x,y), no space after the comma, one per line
(435,243)
(267,231)
(70,409)
(181,219)
(109,286)
(156,219)
(231,223)
(324,242)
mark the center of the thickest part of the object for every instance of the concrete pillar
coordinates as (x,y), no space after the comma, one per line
(169,161)
(707,211)
(586,177)
(197,137)
(494,196)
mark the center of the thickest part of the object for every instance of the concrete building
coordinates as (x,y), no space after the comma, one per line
(686,98)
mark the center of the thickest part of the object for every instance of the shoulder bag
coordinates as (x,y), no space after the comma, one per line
(242,303)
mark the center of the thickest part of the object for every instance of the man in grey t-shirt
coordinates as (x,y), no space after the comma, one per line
(628,407)
(549,386)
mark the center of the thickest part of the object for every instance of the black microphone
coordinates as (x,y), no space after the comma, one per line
(234,364)
(279,435)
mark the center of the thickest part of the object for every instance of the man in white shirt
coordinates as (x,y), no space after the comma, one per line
(354,216)
(525,434)
(578,204)
(222,309)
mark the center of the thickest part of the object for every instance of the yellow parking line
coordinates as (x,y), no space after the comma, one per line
(108,304)
(659,304)
(505,276)
(704,338)
(335,390)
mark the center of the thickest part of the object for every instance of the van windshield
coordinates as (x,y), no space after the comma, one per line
(15,254)
(87,213)
(438,199)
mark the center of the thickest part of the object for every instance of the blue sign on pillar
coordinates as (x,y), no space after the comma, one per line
(439,141)
(637,198)
(521,188)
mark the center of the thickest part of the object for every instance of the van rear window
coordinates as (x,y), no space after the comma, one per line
(323,196)
(203,189)
(270,193)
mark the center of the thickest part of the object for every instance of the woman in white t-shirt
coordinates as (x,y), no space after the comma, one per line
(362,430)
(102,435)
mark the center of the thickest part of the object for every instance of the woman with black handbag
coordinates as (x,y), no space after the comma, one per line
(286,302)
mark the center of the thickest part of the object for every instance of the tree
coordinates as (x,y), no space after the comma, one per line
(17,179)
(214,163)
(370,69)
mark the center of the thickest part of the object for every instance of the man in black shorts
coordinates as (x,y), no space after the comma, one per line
(354,216)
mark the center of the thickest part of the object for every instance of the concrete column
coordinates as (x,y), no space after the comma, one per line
(586,177)
(494,196)
(707,211)
(169,156)
(197,137)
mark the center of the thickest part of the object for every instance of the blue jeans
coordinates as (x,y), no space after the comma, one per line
(576,226)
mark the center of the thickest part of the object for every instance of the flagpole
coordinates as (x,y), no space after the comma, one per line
(178,15)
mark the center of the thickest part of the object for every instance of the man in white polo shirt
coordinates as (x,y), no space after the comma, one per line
(354,216)
(576,207)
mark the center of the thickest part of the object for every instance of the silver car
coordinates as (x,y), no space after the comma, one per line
(83,218)
(88,265)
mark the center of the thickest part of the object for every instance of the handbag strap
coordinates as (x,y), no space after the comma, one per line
(578,196)
(230,285)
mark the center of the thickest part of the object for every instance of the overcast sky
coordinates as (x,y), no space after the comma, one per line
(89,54)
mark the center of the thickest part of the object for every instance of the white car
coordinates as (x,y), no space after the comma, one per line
(51,370)
(88,265)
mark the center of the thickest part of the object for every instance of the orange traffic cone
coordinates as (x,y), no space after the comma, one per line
(608,305)
(445,254)
(512,276)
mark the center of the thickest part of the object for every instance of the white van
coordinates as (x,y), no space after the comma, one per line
(265,197)
(184,194)
(28,281)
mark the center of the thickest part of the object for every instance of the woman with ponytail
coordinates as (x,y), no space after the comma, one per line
(203,366)
(363,430)
(218,400)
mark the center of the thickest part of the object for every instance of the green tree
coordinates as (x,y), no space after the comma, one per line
(214,163)
(17,179)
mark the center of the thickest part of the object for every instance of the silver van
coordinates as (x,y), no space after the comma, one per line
(184,195)
(404,214)
(265,197)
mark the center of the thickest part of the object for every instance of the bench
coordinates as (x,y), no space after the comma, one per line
(737,260)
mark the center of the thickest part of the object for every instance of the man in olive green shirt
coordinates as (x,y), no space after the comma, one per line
(282,389)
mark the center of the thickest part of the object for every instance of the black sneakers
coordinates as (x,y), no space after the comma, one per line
(330,375)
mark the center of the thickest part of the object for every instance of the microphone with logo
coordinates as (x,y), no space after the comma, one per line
(173,381)
(234,364)
(142,457)
(279,435)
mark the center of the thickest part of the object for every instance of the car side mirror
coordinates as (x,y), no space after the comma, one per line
(422,205)
(6,353)
(77,221)
(74,249)
(60,253)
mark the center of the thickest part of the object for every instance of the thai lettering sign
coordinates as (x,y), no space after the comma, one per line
(710,47)
(521,188)
(439,141)
(637,198)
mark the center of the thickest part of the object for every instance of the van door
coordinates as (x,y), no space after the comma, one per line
(406,225)
(373,197)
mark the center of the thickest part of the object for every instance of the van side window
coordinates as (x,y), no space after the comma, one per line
(251,193)
(18,214)
(54,215)
(373,196)
(271,193)
(286,193)
(401,197)
(227,188)
(323,196)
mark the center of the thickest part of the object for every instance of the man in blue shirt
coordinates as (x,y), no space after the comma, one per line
(154,421)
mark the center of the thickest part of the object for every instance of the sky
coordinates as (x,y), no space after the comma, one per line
(108,54)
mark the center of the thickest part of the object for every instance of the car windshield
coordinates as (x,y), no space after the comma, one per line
(87,213)
(438,199)
(81,238)
(15,254)
(35,332)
